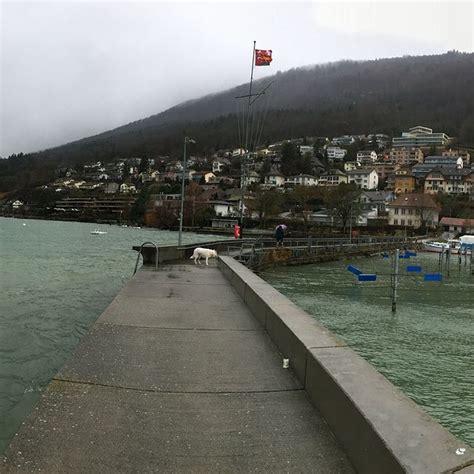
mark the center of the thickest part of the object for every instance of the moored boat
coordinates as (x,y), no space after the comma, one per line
(461,245)
(432,246)
(98,232)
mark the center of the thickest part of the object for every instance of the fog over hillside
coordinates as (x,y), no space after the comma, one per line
(387,95)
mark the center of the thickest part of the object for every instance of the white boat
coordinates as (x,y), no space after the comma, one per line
(98,232)
(432,246)
(466,243)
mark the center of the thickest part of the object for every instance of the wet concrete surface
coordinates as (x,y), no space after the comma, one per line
(175,376)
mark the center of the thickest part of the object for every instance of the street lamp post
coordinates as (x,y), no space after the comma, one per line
(181,214)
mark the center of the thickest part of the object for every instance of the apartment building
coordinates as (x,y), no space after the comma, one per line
(401,180)
(404,155)
(413,210)
(420,136)
(332,177)
(336,153)
(366,157)
(464,154)
(301,180)
(449,181)
(365,178)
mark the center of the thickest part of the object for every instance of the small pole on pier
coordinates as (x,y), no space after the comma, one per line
(395,281)
(448,260)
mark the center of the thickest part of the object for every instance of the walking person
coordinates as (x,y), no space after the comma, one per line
(279,234)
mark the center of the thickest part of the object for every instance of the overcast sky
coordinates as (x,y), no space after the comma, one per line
(74,69)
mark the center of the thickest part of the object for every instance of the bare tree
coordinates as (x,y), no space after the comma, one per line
(266,203)
(343,203)
(302,199)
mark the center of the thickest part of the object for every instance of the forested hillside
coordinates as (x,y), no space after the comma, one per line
(386,96)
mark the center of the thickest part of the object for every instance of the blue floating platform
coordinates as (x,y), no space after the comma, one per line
(367,277)
(354,270)
(414,269)
(433,277)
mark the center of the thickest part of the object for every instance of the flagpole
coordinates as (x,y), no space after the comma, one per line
(246,156)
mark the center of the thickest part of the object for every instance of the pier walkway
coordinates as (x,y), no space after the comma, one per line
(183,372)
(176,375)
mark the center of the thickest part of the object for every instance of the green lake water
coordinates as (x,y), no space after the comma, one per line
(56,278)
(426,348)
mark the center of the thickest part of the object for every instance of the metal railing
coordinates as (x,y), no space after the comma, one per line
(140,253)
(251,253)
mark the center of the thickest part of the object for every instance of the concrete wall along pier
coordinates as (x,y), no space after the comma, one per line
(380,428)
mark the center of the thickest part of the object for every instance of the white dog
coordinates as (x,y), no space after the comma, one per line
(203,253)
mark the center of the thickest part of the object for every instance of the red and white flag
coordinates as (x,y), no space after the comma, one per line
(263,57)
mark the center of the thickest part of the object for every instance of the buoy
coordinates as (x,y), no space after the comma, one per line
(367,277)
(354,270)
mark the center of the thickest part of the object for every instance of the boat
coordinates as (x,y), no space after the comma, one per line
(462,245)
(466,244)
(432,246)
(98,232)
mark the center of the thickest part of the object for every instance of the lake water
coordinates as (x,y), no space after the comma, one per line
(426,348)
(56,278)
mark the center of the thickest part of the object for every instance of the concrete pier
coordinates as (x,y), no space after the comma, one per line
(176,376)
(183,372)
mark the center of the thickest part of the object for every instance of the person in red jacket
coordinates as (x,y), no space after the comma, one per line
(237,231)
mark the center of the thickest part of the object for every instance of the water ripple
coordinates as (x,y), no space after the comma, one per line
(56,280)
(425,349)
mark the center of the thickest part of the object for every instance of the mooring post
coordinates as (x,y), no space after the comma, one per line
(448,260)
(395,281)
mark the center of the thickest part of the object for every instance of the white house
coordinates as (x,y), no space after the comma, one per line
(332,178)
(374,205)
(17,204)
(366,157)
(351,165)
(225,208)
(274,178)
(251,177)
(336,153)
(238,152)
(198,175)
(218,165)
(302,180)
(365,178)
(175,166)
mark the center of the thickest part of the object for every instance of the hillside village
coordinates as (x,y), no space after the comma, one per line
(418,181)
